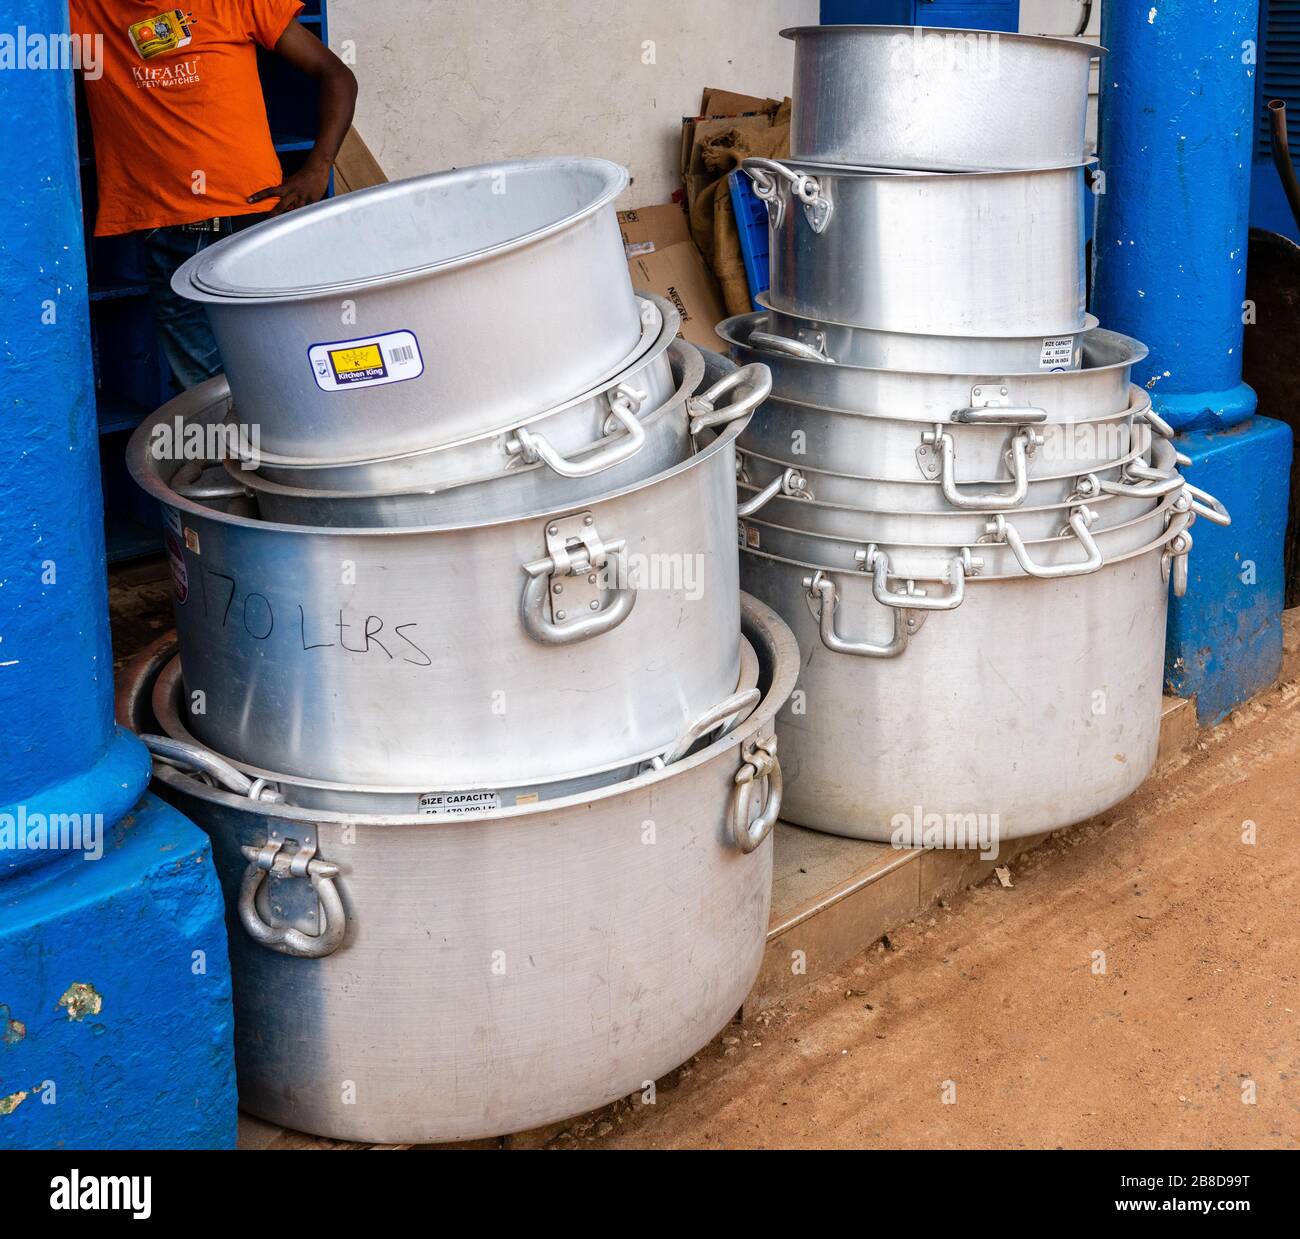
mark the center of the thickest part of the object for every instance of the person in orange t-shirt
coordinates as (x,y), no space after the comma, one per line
(183,151)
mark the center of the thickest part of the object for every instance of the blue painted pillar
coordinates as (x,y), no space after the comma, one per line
(114,981)
(1169,257)
(1169,267)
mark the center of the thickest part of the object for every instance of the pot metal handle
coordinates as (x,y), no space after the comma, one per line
(760,764)
(755,380)
(996,414)
(1174,559)
(1206,505)
(289,941)
(1081,520)
(623,408)
(1150,483)
(876,562)
(791,483)
(1157,423)
(196,759)
(765,173)
(204,492)
(774,343)
(1021,447)
(595,624)
(822,601)
(731,710)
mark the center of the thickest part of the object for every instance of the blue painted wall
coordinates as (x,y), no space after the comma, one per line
(957,14)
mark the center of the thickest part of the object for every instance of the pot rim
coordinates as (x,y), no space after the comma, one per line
(829,171)
(1165,505)
(975,578)
(775,645)
(735,331)
(173,673)
(139,465)
(1090,323)
(188,280)
(1119,462)
(1094,50)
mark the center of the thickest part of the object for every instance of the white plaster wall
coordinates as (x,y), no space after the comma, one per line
(1061,17)
(457,82)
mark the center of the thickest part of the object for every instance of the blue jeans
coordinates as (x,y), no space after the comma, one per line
(183,324)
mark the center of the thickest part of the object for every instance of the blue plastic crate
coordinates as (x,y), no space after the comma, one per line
(751,224)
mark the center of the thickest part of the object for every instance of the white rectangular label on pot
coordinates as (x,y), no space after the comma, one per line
(1058,351)
(459,804)
(339,365)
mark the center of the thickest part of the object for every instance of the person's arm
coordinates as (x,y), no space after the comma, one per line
(338,97)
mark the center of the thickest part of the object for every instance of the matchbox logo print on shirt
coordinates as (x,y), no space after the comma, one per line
(156,36)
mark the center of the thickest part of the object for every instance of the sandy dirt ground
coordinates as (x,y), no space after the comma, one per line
(990,1022)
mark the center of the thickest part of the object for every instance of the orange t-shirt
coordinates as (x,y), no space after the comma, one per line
(178,119)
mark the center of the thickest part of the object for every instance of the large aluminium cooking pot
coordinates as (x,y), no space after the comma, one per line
(780,489)
(666,441)
(821,340)
(586,435)
(1077,544)
(892,450)
(422,311)
(1098,387)
(178,746)
(1030,706)
(490,653)
(477,976)
(939,253)
(957,100)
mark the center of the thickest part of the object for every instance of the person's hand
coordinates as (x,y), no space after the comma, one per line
(306,185)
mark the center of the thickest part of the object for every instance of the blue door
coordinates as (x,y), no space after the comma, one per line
(960,14)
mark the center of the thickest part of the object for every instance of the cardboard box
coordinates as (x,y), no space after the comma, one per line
(717,102)
(678,272)
(652,228)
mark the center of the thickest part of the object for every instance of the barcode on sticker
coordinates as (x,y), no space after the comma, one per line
(370,361)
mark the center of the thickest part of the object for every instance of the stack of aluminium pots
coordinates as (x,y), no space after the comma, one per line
(955,497)
(463,685)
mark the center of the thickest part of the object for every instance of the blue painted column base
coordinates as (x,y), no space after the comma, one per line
(1224,640)
(1207,410)
(115,1006)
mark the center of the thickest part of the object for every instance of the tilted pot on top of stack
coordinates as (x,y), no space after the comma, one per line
(950,431)
(456,575)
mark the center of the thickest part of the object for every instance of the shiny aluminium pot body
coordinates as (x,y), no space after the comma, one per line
(183,750)
(423,311)
(476,977)
(893,450)
(1098,387)
(583,436)
(316,648)
(939,253)
(955,100)
(665,441)
(821,340)
(1031,705)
